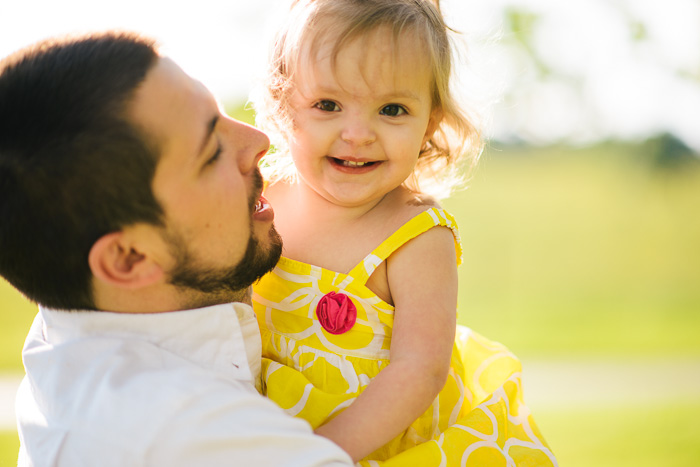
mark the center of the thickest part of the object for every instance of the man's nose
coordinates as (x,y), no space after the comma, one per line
(251,145)
(358,130)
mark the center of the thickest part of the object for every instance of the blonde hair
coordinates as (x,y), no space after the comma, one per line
(456,144)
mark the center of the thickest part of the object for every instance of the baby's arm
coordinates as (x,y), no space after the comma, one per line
(422,277)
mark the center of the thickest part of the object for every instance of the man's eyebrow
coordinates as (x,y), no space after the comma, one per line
(207,135)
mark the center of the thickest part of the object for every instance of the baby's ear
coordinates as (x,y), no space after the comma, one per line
(433,123)
(119,259)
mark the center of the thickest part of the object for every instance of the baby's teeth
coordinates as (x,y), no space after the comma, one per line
(353,164)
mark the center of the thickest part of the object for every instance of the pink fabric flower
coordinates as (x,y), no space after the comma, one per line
(336,313)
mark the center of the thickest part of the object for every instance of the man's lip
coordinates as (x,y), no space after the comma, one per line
(263,210)
(259,187)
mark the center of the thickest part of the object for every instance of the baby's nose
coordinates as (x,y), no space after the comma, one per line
(358,131)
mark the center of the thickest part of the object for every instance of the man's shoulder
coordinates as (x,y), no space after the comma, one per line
(120,401)
(96,378)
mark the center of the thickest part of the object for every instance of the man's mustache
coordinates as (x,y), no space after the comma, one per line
(257,190)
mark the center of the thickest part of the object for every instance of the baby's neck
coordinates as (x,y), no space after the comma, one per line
(315,205)
(334,237)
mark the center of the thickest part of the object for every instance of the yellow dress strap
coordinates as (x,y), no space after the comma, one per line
(421,223)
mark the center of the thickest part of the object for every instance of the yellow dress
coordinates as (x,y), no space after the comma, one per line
(321,350)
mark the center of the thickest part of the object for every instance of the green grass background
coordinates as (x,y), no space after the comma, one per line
(582,251)
(9,446)
(568,252)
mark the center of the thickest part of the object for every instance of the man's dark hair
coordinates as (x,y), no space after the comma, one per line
(72,167)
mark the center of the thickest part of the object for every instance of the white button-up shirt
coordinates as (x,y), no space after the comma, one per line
(166,389)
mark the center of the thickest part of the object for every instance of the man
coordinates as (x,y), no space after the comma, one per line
(131,212)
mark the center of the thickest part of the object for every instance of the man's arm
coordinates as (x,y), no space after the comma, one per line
(223,427)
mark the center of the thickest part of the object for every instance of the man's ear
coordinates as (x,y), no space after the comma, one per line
(118,261)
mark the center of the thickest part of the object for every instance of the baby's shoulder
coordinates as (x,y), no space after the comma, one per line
(422,202)
(413,201)
(406,204)
(410,205)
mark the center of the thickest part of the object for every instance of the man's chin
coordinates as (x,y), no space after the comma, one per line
(273,251)
(216,285)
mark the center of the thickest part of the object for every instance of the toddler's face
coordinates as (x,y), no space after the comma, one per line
(360,125)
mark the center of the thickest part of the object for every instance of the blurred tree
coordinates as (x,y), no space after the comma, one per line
(593,70)
(667,152)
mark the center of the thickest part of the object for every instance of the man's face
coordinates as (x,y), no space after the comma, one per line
(219,230)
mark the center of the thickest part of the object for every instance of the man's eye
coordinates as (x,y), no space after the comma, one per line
(215,157)
(327,106)
(393,110)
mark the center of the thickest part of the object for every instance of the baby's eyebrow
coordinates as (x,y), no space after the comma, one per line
(324,89)
(333,90)
(402,94)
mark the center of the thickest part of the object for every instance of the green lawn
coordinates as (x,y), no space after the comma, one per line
(9,446)
(15,318)
(664,435)
(581,251)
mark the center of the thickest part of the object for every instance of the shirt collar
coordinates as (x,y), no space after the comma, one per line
(210,337)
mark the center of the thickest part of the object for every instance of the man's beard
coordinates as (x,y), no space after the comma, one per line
(225,284)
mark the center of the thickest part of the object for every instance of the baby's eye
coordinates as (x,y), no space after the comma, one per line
(327,106)
(393,110)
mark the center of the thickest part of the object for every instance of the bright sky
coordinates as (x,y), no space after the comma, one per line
(606,84)
(218,41)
